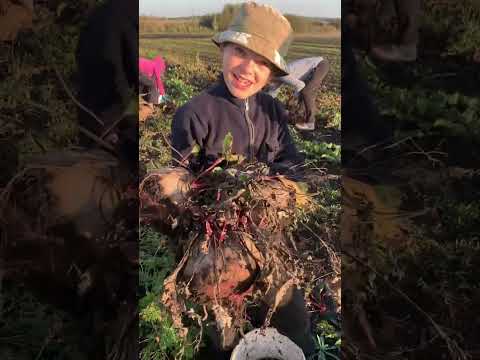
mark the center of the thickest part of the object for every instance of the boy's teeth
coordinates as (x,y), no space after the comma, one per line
(245,82)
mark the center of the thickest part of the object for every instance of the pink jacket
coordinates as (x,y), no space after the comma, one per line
(154,68)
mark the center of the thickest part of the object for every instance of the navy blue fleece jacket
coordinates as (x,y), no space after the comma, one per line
(258,126)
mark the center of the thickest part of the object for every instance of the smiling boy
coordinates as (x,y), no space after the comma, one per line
(252,51)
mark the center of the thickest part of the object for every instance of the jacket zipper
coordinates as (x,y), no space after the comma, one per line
(251,132)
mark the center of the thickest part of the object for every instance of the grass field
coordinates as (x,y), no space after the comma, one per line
(177,48)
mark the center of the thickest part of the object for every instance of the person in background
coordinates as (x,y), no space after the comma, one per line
(305,76)
(362,125)
(408,16)
(107,60)
(150,77)
(370,19)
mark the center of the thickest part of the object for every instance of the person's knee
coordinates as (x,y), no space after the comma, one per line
(293,320)
(307,94)
(323,68)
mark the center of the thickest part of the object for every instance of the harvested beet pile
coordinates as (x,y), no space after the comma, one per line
(232,227)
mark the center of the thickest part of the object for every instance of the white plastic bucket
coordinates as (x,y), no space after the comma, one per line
(266,343)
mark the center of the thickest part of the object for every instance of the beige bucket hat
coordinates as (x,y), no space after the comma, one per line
(261,29)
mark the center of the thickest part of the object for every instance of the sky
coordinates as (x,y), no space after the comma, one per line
(177,8)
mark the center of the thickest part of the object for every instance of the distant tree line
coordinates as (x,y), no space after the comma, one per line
(220,21)
(300,24)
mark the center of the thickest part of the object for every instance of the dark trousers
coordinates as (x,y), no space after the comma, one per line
(362,124)
(407,13)
(148,89)
(290,319)
(107,60)
(293,320)
(309,92)
(370,12)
